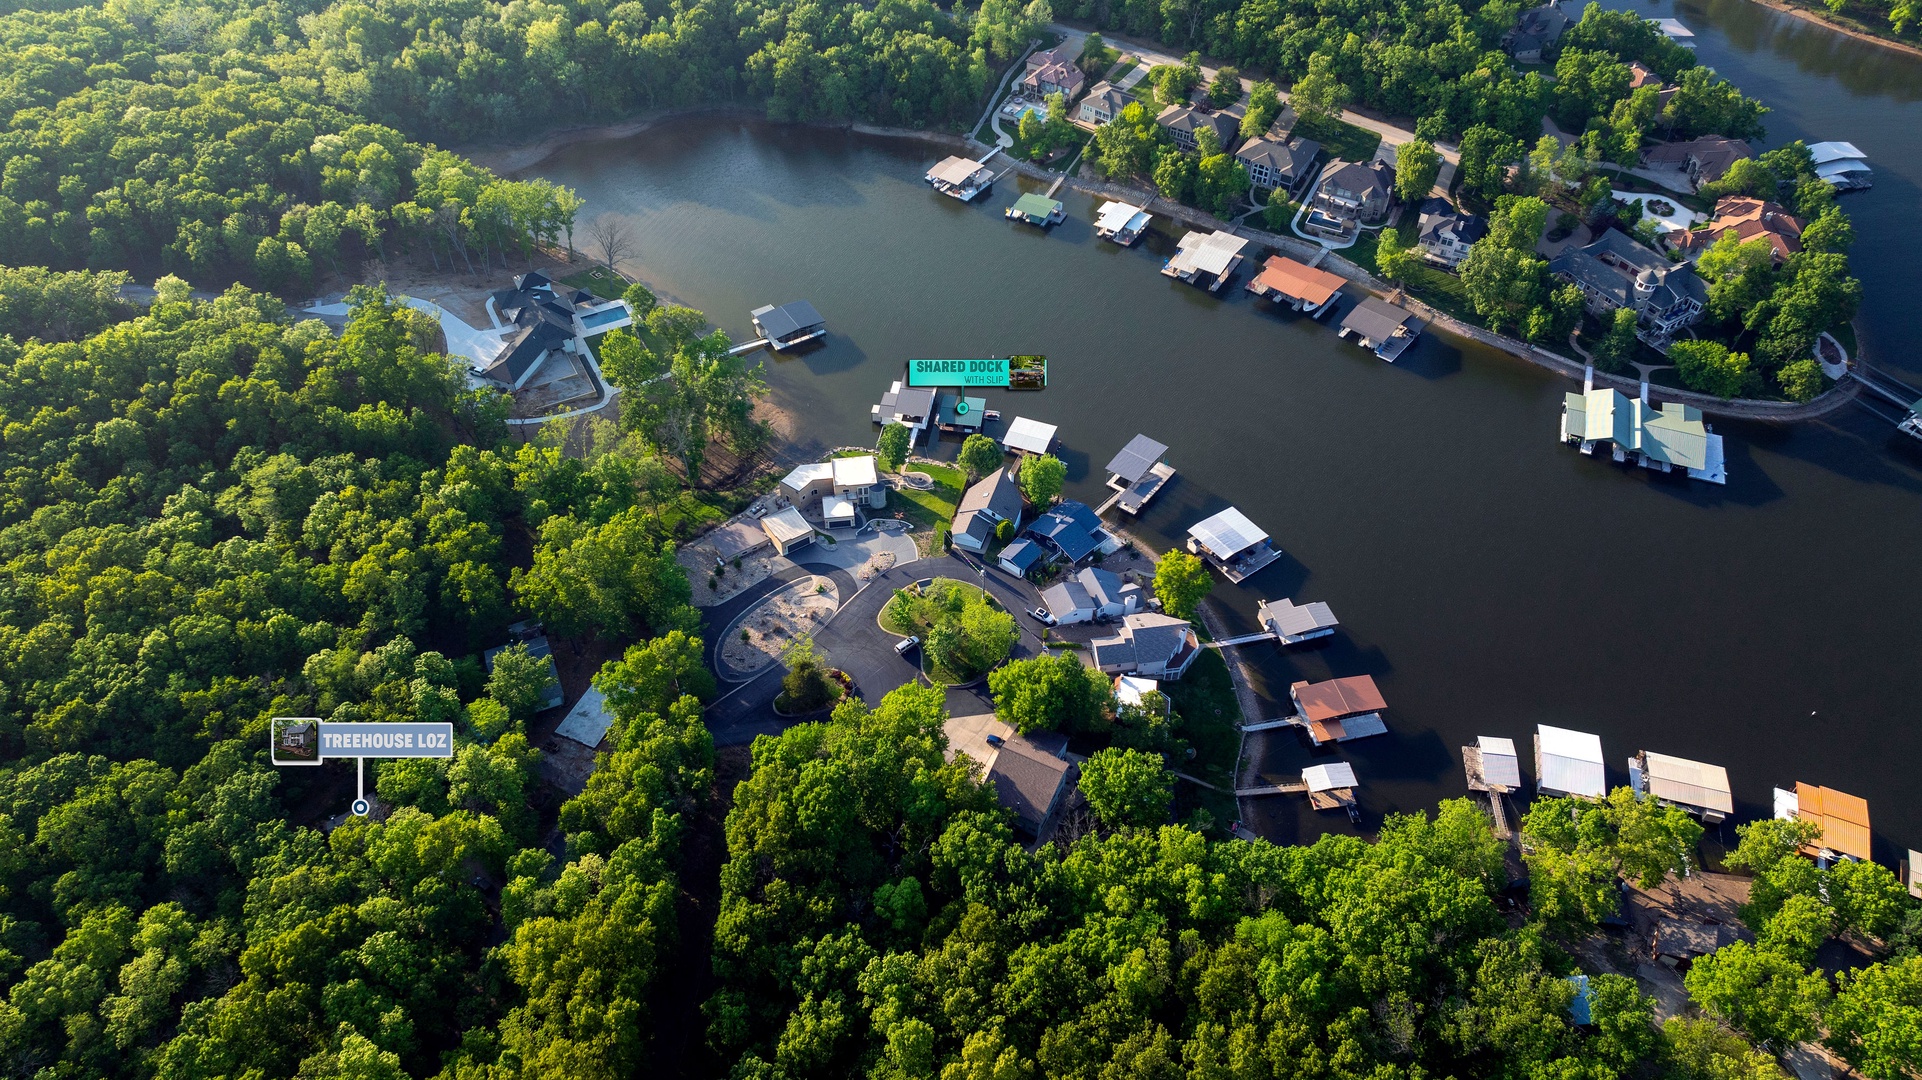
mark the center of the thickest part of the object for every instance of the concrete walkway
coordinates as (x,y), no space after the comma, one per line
(993,116)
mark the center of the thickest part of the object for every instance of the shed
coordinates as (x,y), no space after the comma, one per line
(587,722)
(1227,534)
(1569,763)
(1386,329)
(1676,32)
(1020,557)
(788,530)
(1121,222)
(1691,785)
(1338,710)
(1500,763)
(1029,436)
(959,412)
(837,512)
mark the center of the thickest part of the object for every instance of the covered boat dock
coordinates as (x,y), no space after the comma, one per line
(1233,544)
(1300,286)
(1137,474)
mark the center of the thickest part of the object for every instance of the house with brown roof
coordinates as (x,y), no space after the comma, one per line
(1339,709)
(1747,219)
(1704,159)
(1184,123)
(1053,72)
(1641,75)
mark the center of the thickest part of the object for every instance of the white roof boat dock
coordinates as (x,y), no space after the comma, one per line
(1381,327)
(1121,222)
(1674,436)
(1137,474)
(1233,544)
(1569,763)
(1291,623)
(963,178)
(1332,786)
(1842,166)
(1214,255)
(1493,768)
(789,325)
(1696,787)
(1676,32)
(1029,436)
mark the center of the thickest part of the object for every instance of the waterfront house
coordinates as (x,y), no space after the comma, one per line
(1568,763)
(1149,644)
(1302,287)
(995,498)
(1702,160)
(1279,163)
(1070,531)
(1103,103)
(1293,623)
(1331,786)
(1206,257)
(1698,788)
(913,406)
(1641,75)
(836,489)
(1233,544)
(1020,557)
(1386,329)
(789,325)
(1137,473)
(1354,191)
(1746,219)
(1029,772)
(1536,30)
(1672,437)
(1027,436)
(1337,710)
(787,530)
(1092,593)
(1053,72)
(1036,209)
(1843,819)
(1184,124)
(1842,166)
(963,178)
(545,362)
(1616,272)
(1447,233)
(1121,222)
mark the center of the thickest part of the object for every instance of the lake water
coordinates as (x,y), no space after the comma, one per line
(1487,577)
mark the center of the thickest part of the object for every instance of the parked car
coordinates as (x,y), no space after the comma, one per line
(1041,616)
(901,647)
(995,740)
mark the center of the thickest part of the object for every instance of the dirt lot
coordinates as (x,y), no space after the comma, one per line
(697,559)
(767,631)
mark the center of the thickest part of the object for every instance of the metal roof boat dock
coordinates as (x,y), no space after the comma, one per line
(1029,436)
(960,413)
(1036,210)
(1212,255)
(1332,787)
(789,325)
(1493,768)
(1136,474)
(963,178)
(1664,439)
(1381,327)
(911,405)
(1339,709)
(1698,788)
(1569,763)
(1300,286)
(1844,820)
(1233,544)
(1841,166)
(1291,623)
(1121,222)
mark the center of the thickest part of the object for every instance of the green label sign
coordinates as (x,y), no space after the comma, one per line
(957,373)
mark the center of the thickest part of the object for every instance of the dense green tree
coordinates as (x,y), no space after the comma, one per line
(1041,477)
(891,449)
(1319,92)
(1127,788)
(1182,582)
(1705,1050)
(1124,147)
(1613,350)
(979,455)
(1875,1021)
(1709,366)
(1264,105)
(1504,278)
(1416,165)
(1763,994)
(1054,692)
(1225,88)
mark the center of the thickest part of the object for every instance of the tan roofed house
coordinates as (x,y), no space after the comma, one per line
(1704,159)
(1746,219)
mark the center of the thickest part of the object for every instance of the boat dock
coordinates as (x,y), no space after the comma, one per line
(1232,544)
(962,178)
(1905,398)
(1493,769)
(1121,223)
(1213,256)
(1137,474)
(1298,285)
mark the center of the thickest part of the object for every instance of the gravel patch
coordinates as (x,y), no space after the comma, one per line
(770,628)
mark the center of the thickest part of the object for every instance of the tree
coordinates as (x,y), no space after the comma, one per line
(518,681)
(1124,147)
(611,579)
(1175,175)
(1710,367)
(1740,275)
(1392,256)
(1225,89)
(1046,693)
(806,685)
(1801,380)
(1417,164)
(1798,929)
(1705,1050)
(979,456)
(641,299)
(652,675)
(1502,275)
(1264,104)
(1182,581)
(891,449)
(1041,477)
(1613,349)
(615,239)
(1174,82)
(1094,53)
(689,395)
(1764,995)
(1220,182)
(1486,153)
(1319,93)
(1875,1021)
(1127,788)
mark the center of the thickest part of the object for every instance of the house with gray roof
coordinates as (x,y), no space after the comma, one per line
(1104,102)
(544,361)
(1355,191)
(1281,163)
(1616,272)
(995,498)
(1534,32)
(1020,557)
(1386,329)
(1184,124)
(1150,644)
(1029,781)
(1092,593)
(1447,233)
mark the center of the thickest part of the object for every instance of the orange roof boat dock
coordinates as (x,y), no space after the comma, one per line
(1300,286)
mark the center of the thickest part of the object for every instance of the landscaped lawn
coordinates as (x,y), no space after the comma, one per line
(930,510)
(985,636)
(1340,138)
(598,280)
(1205,700)
(1430,284)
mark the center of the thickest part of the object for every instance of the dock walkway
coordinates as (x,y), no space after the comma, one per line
(1245,639)
(1296,787)
(1270,725)
(1472,766)
(748,346)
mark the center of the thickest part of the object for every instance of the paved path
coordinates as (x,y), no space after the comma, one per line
(993,115)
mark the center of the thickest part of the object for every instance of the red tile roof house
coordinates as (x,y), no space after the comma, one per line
(1053,72)
(1748,219)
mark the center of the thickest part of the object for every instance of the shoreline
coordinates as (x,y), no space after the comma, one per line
(508,159)
(1810,15)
